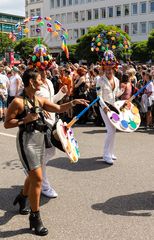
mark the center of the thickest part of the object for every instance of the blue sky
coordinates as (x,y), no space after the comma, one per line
(16,7)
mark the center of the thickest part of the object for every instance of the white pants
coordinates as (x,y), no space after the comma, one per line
(110,136)
(49,153)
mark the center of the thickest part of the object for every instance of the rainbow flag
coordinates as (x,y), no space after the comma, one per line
(64,47)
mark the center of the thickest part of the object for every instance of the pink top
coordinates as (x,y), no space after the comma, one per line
(127,87)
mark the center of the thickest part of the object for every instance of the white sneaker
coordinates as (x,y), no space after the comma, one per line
(108,160)
(49,192)
(114,157)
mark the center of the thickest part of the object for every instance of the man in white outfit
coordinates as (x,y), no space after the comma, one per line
(47,91)
(108,89)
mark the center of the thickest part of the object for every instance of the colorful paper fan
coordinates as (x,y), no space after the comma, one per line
(112,40)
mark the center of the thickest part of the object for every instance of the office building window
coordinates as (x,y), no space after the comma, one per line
(58,17)
(143,28)
(118,26)
(143,7)
(69,2)
(110,12)
(52,4)
(32,12)
(32,30)
(134,8)
(76,1)
(151,26)
(76,16)
(70,34)
(89,1)
(76,33)
(89,15)
(63,18)
(82,15)
(118,11)
(82,31)
(103,12)
(32,1)
(134,28)
(38,11)
(82,1)
(69,17)
(63,3)
(57,3)
(126,10)
(126,28)
(96,14)
(152,6)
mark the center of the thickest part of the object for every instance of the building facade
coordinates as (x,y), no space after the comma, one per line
(136,17)
(8,23)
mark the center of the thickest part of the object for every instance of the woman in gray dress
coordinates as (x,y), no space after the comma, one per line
(26,112)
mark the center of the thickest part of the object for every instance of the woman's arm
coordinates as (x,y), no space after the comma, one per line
(52,107)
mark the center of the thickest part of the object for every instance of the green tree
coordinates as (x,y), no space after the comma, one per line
(150,44)
(140,51)
(83,50)
(5,42)
(25,46)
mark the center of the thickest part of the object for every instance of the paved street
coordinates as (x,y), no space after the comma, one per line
(96,202)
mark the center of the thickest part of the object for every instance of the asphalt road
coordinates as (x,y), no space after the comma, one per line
(96,201)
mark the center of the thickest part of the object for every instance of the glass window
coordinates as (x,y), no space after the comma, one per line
(76,33)
(82,1)
(57,3)
(38,11)
(32,12)
(126,10)
(134,9)
(110,12)
(103,12)
(143,27)
(152,6)
(52,3)
(69,2)
(32,30)
(32,1)
(76,1)
(96,14)
(69,17)
(151,26)
(76,16)
(118,11)
(143,6)
(89,15)
(118,26)
(126,28)
(134,28)
(82,15)
(83,31)
(63,3)
(63,18)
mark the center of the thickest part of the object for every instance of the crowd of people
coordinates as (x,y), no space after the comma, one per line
(80,81)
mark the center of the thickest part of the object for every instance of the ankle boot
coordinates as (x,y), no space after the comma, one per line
(36,224)
(21,200)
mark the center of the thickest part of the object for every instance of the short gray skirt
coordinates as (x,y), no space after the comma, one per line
(31,149)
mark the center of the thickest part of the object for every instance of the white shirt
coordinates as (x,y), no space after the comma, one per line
(105,92)
(4,81)
(150,89)
(47,91)
(13,85)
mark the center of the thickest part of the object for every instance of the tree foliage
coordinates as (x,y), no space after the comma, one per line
(83,50)
(5,42)
(140,51)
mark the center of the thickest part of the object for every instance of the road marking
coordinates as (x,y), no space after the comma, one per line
(7,135)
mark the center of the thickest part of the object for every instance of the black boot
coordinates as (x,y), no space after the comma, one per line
(21,200)
(36,224)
